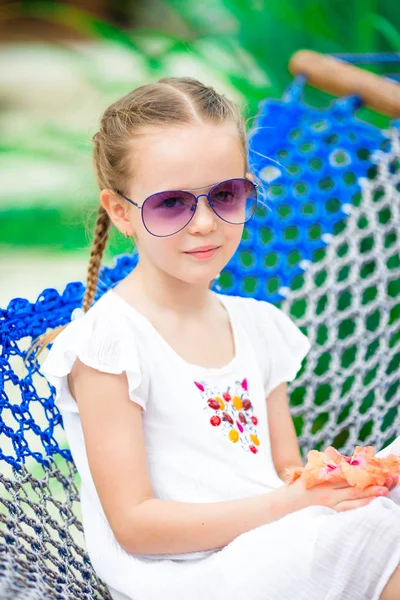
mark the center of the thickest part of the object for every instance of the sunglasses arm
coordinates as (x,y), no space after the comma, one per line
(131,201)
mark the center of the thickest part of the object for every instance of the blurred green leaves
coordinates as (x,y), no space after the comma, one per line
(242,48)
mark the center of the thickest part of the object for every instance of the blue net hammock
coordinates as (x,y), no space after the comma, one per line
(323,246)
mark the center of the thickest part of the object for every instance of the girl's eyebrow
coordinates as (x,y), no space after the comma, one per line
(185,189)
(202,187)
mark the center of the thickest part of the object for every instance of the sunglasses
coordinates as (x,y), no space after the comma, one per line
(166,213)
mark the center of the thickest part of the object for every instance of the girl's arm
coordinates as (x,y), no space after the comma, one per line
(284,445)
(142,524)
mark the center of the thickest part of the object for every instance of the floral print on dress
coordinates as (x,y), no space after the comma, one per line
(232,412)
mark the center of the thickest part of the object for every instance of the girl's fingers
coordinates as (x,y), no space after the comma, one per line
(373,490)
(353,494)
(351,504)
(389,482)
(392,481)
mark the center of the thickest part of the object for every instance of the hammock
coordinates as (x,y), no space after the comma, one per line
(323,246)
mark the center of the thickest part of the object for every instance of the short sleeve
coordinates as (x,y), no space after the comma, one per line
(100,340)
(282,345)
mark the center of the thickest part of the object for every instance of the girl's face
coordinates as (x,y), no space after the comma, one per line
(185,158)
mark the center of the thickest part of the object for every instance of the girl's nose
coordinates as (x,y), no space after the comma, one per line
(205,219)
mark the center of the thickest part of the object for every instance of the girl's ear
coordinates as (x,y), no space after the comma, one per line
(117,210)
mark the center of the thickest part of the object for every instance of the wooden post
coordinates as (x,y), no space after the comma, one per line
(341,79)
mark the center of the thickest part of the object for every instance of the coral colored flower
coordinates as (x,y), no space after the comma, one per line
(322,466)
(366,469)
(292,473)
(360,470)
(391,462)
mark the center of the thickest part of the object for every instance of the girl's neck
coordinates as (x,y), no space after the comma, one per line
(162,292)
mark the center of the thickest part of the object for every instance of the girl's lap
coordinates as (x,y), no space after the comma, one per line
(305,555)
(308,552)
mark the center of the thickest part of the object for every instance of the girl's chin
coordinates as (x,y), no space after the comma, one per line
(200,278)
(203,281)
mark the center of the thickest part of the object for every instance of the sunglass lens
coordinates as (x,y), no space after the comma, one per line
(167,213)
(235,200)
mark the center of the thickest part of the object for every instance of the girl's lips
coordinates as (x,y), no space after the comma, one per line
(203,254)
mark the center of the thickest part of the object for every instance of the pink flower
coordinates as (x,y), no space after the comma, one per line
(201,387)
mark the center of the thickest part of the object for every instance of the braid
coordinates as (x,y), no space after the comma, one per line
(99,242)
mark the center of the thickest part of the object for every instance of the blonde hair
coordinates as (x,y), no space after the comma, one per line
(169,101)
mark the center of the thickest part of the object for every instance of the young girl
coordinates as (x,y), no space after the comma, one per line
(174,397)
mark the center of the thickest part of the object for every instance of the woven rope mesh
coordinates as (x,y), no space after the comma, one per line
(349,303)
(42,546)
(323,246)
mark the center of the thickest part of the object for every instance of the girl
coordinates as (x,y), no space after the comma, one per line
(174,397)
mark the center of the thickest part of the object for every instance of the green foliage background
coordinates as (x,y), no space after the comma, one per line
(244,46)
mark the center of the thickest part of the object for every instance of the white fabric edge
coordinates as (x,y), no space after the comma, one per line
(279,320)
(301,353)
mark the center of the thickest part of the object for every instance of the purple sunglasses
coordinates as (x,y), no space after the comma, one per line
(166,213)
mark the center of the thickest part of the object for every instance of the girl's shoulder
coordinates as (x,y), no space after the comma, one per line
(107,319)
(105,338)
(109,316)
(261,312)
(279,343)
(265,316)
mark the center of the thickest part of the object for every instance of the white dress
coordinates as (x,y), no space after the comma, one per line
(207,440)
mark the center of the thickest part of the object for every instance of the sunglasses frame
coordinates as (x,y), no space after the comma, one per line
(196,201)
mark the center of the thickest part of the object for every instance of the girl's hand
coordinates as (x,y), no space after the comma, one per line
(372,492)
(391,482)
(338,496)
